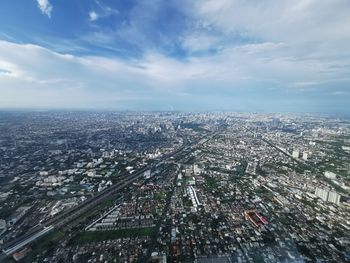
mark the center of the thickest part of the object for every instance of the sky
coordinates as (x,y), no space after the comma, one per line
(188,55)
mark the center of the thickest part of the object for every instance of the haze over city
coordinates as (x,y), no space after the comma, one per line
(174,131)
(279,56)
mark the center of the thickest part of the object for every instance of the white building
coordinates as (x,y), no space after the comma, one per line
(196,169)
(333,197)
(295,154)
(330,175)
(321,193)
(328,196)
(305,156)
(147,174)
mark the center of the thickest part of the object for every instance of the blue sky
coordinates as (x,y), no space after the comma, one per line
(251,55)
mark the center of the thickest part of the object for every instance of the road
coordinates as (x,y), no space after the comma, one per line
(73,213)
(30,239)
(63,218)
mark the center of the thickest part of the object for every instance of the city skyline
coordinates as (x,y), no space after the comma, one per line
(176,55)
(157,187)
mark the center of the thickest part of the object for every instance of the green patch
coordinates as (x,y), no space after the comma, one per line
(242,167)
(211,183)
(6,212)
(262,191)
(188,179)
(159,196)
(45,245)
(306,202)
(187,202)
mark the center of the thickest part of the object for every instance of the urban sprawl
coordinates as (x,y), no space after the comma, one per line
(174,187)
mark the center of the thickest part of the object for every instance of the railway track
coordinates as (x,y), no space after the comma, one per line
(61,219)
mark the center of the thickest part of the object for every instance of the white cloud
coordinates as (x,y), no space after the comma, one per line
(200,42)
(45,7)
(93,16)
(33,76)
(340,93)
(293,48)
(102,11)
(281,45)
(283,20)
(89,80)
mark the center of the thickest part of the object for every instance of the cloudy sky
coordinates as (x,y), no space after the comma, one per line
(246,55)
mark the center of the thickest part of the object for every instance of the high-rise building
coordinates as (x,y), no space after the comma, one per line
(328,196)
(321,193)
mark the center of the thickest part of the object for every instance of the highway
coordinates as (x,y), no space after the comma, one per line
(63,218)
(25,242)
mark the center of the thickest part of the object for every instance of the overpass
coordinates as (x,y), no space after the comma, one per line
(61,219)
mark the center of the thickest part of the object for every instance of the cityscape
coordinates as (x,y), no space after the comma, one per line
(174,131)
(174,187)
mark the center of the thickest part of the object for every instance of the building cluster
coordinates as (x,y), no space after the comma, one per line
(242,187)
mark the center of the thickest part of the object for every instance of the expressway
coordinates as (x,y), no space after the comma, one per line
(73,213)
(30,239)
(63,218)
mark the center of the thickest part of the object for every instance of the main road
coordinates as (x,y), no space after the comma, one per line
(61,219)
